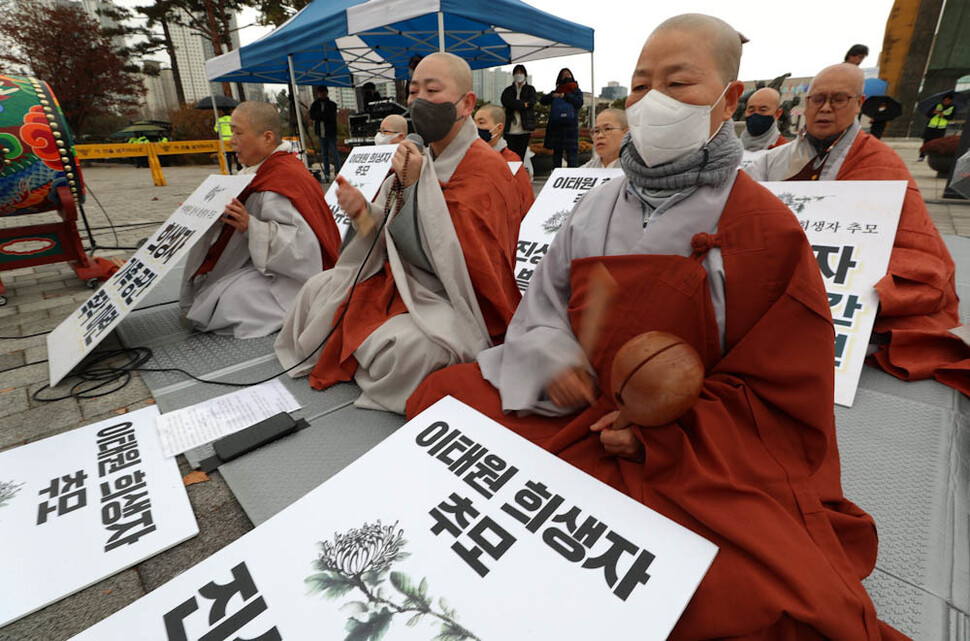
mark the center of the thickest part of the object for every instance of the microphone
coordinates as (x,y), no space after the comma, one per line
(416,139)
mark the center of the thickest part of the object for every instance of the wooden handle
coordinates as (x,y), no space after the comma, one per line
(602,290)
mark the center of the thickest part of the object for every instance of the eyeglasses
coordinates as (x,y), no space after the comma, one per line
(388,132)
(837,101)
(605,130)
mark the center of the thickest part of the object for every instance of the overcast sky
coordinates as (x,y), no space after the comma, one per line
(800,38)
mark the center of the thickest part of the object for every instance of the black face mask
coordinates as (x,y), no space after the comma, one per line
(758,124)
(433,120)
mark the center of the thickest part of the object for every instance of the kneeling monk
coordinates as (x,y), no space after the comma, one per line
(699,250)
(244,275)
(435,285)
(918,303)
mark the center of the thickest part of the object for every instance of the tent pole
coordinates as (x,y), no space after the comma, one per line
(296,105)
(222,149)
(441,31)
(592,92)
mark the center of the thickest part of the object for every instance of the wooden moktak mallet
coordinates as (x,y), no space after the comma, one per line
(656,376)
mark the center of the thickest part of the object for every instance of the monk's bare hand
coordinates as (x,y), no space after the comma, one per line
(350,199)
(409,150)
(618,438)
(573,387)
(236,216)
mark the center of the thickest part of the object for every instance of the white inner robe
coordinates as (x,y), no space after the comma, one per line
(258,275)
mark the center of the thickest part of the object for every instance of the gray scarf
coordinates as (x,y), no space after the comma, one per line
(712,164)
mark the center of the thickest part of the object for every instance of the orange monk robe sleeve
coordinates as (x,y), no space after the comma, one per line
(918,290)
(483,204)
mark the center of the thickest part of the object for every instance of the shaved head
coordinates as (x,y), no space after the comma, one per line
(723,41)
(845,73)
(261,117)
(839,81)
(496,113)
(766,96)
(395,123)
(453,66)
(618,116)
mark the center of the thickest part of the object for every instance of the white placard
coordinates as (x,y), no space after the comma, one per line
(365,168)
(83,330)
(181,430)
(851,225)
(80,506)
(552,206)
(460,540)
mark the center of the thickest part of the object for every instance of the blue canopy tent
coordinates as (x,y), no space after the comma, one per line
(349,42)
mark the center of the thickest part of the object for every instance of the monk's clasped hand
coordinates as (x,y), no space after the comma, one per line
(618,437)
(236,216)
(350,199)
(407,163)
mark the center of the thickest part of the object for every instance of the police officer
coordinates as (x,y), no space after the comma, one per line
(939,119)
(224,128)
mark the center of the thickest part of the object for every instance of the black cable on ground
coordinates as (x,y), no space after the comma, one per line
(95,375)
(107,217)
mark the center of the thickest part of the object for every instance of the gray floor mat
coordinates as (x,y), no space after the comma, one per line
(929,391)
(152,327)
(271,478)
(960,250)
(906,464)
(914,612)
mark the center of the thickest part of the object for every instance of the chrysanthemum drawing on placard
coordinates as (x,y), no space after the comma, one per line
(797,203)
(554,222)
(360,560)
(8,490)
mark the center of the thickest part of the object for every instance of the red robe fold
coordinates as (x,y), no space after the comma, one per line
(754,465)
(917,297)
(284,174)
(523,183)
(778,143)
(482,202)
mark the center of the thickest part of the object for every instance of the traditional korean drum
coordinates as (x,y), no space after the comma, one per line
(36,149)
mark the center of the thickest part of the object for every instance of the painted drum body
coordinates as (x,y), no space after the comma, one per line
(36,149)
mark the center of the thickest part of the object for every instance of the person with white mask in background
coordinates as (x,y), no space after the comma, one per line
(393,130)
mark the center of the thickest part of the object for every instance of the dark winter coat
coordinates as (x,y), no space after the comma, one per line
(324,111)
(564,136)
(528,114)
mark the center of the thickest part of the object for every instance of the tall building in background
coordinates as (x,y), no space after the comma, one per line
(160,97)
(192,49)
(613,91)
(488,84)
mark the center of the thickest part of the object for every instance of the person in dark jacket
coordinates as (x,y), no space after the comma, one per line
(562,132)
(323,113)
(519,100)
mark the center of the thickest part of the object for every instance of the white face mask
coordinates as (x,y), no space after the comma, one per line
(383,139)
(519,78)
(664,129)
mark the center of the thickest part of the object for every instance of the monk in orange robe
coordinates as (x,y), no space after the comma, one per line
(761,121)
(490,120)
(918,303)
(427,281)
(699,250)
(243,276)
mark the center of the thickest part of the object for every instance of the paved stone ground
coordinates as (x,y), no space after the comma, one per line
(41,297)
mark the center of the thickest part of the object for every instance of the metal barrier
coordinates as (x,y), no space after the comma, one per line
(152,150)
